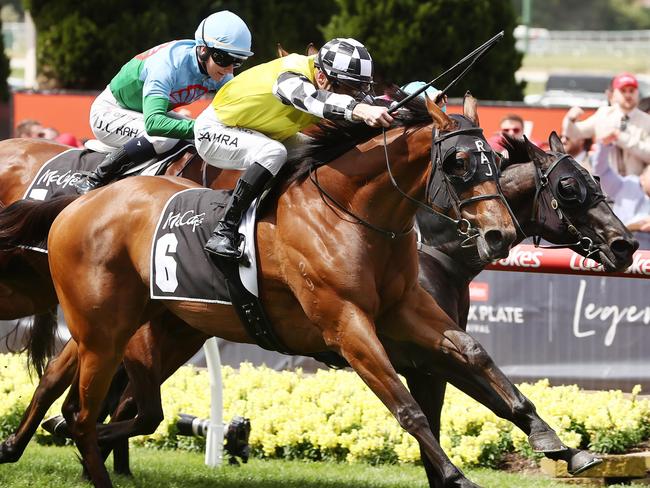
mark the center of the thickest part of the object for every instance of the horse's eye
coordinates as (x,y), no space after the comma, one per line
(568,188)
(456,164)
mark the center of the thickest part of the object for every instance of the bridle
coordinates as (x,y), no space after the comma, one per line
(547,183)
(481,158)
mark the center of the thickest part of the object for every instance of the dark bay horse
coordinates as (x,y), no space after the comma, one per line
(549,194)
(328,283)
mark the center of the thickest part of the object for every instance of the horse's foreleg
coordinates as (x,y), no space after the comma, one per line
(429,393)
(56,378)
(358,344)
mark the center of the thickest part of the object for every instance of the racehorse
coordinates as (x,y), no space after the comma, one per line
(521,187)
(328,281)
(25,286)
(555,199)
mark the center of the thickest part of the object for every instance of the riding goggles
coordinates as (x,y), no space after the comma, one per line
(224,59)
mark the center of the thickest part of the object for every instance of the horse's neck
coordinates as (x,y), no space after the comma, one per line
(440,233)
(374,194)
(518,186)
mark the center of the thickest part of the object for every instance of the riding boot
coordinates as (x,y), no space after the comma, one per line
(225,239)
(134,152)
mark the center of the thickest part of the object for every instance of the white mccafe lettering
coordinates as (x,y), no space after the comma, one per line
(185,218)
(522,258)
(53,177)
(610,315)
(494,314)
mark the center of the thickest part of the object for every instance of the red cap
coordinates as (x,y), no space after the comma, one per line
(624,79)
(68,139)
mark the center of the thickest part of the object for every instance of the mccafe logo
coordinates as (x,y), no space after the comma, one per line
(53,177)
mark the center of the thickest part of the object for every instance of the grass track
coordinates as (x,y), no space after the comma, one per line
(57,467)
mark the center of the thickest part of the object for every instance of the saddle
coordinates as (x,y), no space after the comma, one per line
(181,270)
(56,176)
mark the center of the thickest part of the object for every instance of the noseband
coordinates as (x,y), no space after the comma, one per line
(546,182)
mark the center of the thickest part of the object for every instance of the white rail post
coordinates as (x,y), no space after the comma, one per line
(214,439)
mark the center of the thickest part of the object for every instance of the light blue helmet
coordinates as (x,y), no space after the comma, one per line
(416,85)
(226,31)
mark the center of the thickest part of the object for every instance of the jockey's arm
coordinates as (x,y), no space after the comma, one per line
(296,89)
(158,123)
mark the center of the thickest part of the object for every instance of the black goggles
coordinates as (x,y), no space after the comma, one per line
(224,59)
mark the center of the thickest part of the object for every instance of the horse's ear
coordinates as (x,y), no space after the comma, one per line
(281,52)
(555,143)
(441,119)
(470,108)
(311,49)
(534,152)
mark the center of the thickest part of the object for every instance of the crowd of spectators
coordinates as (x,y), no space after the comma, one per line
(613,143)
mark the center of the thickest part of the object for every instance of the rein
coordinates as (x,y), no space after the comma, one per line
(313,176)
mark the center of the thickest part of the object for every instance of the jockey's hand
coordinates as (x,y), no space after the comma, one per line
(372,115)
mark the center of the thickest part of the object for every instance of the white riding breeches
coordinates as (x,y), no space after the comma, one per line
(230,147)
(115,126)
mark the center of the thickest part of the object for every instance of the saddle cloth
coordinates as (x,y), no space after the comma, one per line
(56,176)
(180,267)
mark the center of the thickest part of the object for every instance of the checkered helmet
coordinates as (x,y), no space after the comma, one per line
(345,60)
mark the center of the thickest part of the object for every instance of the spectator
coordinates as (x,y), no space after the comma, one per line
(29,128)
(631,203)
(50,133)
(511,124)
(621,124)
(644,105)
(578,149)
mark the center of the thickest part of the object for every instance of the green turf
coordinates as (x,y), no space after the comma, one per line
(57,467)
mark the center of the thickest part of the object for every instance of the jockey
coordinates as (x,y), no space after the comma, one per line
(255,114)
(134,112)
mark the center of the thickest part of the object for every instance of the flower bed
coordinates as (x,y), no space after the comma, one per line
(333,415)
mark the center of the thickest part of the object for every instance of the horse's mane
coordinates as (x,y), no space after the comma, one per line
(331,139)
(517,151)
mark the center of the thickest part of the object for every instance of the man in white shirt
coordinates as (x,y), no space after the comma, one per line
(621,124)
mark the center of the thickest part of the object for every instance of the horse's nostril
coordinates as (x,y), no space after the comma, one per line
(494,239)
(623,247)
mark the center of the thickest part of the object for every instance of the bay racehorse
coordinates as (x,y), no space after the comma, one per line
(328,282)
(25,286)
(446,263)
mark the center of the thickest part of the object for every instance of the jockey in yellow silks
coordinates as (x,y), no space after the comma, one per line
(257,114)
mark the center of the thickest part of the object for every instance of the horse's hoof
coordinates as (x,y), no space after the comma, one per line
(581,462)
(460,481)
(465,483)
(56,426)
(8,453)
(546,442)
